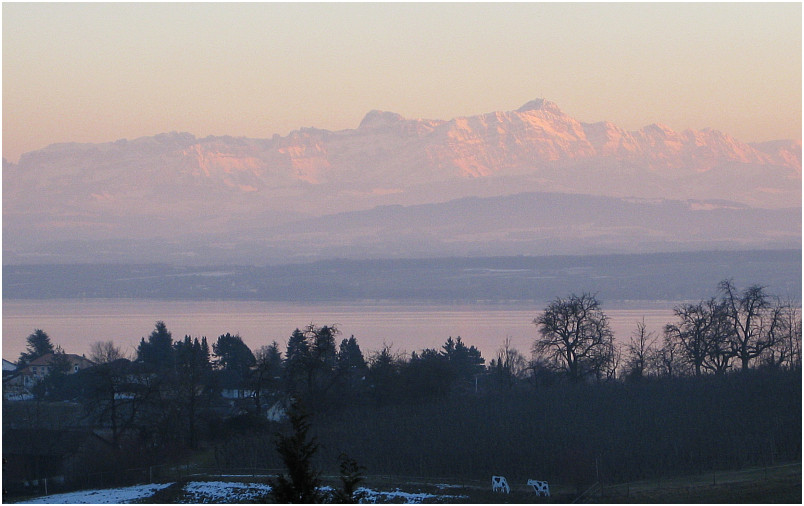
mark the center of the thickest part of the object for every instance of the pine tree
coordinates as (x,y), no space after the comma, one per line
(157,351)
(351,368)
(268,372)
(351,476)
(297,359)
(233,355)
(39,345)
(297,451)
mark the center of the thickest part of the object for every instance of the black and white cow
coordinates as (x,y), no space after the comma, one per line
(540,487)
(500,484)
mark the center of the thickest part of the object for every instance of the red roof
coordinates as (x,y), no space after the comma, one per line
(47,359)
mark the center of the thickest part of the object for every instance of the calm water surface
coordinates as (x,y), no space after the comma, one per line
(75,324)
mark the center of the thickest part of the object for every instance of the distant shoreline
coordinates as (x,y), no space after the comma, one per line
(485,280)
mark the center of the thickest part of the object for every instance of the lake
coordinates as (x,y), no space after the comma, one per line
(76,323)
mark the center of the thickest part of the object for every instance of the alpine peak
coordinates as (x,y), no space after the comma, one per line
(376,118)
(540,104)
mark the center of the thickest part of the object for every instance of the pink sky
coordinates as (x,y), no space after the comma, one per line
(98,72)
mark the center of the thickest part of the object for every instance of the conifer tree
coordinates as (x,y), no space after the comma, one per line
(39,345)
(351,476)
(157,351)
(297,451)
(297,358)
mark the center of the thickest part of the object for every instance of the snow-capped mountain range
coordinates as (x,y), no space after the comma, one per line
(169,183)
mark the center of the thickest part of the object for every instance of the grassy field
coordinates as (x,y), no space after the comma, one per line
(776,484)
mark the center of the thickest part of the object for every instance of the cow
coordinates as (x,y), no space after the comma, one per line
(500,484)
(540,487)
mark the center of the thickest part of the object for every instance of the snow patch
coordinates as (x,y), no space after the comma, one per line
(372,496)
(228,492)
(197,492)
(102,496)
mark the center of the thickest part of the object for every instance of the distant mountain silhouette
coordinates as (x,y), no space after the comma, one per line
(175,183)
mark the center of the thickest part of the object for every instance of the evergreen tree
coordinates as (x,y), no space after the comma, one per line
(383,375)
(349,356)
(464,361)
(323,360)
(233,355)
(297,357)
(192,376)
(297,452)
(268,372)
(351,367)
(39,345)
(427,374)
(351,476)
(157,351)
(322,347)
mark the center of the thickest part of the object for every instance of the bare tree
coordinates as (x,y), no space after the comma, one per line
(756,320)
(786,352)
(640,348)
(576,336)
(791,336)
(703,333)
(510,364)
(104,352)
(720,353)
(609,363)
(668,360)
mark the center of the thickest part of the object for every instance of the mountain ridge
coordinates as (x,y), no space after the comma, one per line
(173,182)
(528,223)
(388,153)
(536,114)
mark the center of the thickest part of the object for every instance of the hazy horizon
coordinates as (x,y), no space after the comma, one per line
(102,72)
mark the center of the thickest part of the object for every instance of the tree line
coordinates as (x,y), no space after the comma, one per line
(177,396)
(734,328)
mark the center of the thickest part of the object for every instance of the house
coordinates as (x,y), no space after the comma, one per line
(18,384)
(38,369)
(9,372)
(8,368)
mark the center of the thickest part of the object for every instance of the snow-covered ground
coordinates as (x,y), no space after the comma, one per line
(200,492)
(102,496)
(373,496)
